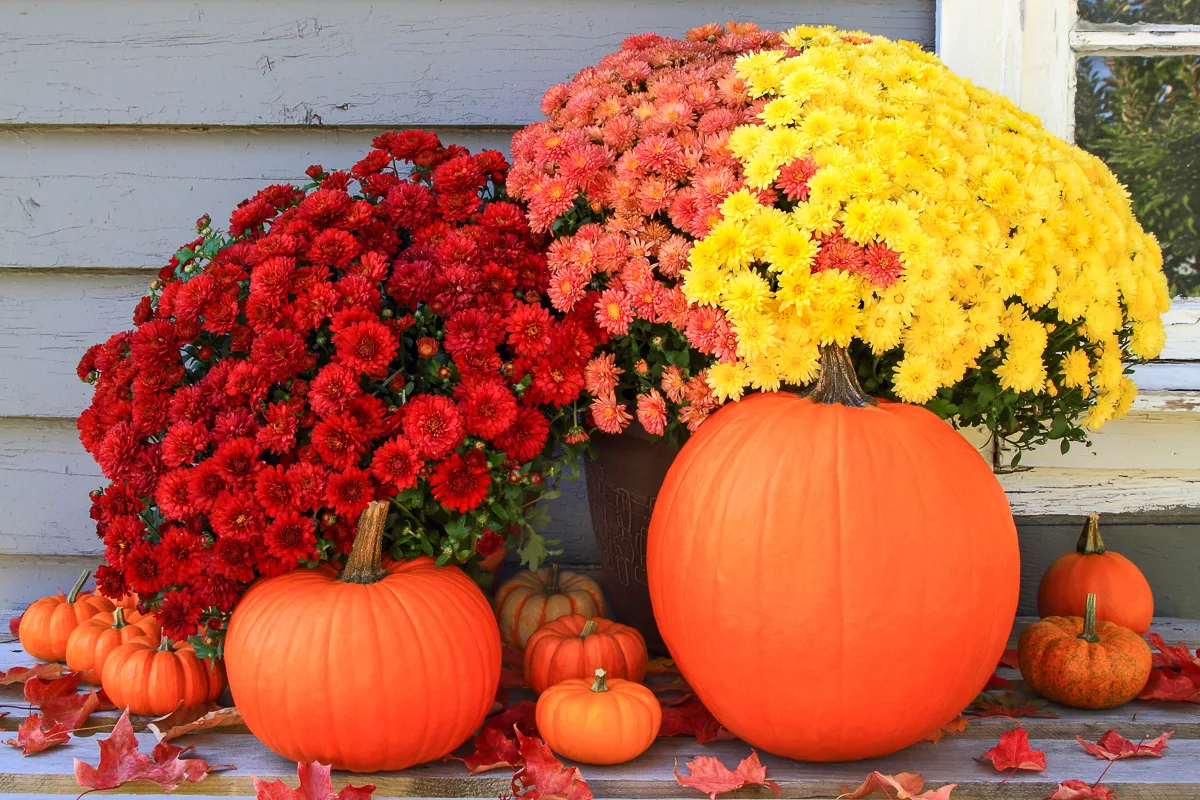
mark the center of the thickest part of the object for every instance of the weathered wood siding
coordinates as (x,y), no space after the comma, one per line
(121,123)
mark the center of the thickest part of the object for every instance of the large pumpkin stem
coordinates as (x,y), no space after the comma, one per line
(74,595)
(119,618)
(837,381)
(589,628)
(1090,543)
(552,581)
(365,564)
(165,644)
(601,684)
(1089,621)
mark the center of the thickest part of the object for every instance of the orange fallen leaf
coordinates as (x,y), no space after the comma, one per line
(543,777)
(121,762)
(1112,746)
(689,717)
(710,776)
(315,784)
(906,785)
(23,674)
(951,728)
(33,736)
(190,720)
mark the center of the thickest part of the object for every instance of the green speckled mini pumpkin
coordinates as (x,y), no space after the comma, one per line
(1084,664)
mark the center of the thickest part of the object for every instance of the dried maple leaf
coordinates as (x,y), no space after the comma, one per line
(23,674)
(38,691)
(121,763)
(1008,704)
(1080,790)
(493,750)
(952,728)
(32,737)
(14,625)
(688,717)
(1013,752)
(1171,655)
(1172,686)
(996,682)
(543,777)
(315,784)
(1112,746)
(906,785)
(712,777)
(72,710)
(1010,658)
(522,714)
(190,720)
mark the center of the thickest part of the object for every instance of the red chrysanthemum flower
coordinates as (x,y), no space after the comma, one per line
(883,265)
(234,556)
(348,492)
(652,412)
(333,388)
(174,495)
(339,440)
(432,425)
(237,460)
(274,491)
(794,177)
(182,442)
(142,568)
(488,407)
(396,464)
(459,486)
(526,437)
(291,538)
(237,514)
(366,347)
(206,484)
(529,329)
(179,614)
(838,252)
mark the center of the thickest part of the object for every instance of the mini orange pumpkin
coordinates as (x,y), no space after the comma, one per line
(529,600)
(152,678)
(1082,663)
(90,644)
(1094,569)
(575,647)
(47,623)
(600,721)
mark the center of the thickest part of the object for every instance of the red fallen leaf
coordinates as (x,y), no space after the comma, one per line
(1010,659)
(493,750)
(512,669)
(543,776)
(38,691)
(190,720)
(688,717)
(33,738)
(1171,686)
(906,785)
(23,674)
(1114,747)
(522,714)
(1171,655)
(952,728)
(712,777)
(315,784)
(996,682)
(105,703)
(14,625)
(1013,752)
(1008,704)
(1080,790)
(72,710)
(121,763)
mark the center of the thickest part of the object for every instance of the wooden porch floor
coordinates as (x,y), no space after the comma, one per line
(1175,777)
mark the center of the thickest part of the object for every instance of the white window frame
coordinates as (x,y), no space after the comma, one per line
(1026,50)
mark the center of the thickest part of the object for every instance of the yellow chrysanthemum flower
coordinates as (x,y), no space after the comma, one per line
(728,380)
(916,378)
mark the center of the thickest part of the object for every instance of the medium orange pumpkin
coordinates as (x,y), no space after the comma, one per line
(1083,663)
(376,668)
(155,678)
(833,577)
(47,623)
(90,644)
(530,599)
(575,647)
(598,720)
(1124,592)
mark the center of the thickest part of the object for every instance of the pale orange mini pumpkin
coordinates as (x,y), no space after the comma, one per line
(529,600)
(47,623)
(575,647)
(599,720)
(90,644)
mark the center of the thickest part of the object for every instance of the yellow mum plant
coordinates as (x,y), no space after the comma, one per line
(933,234)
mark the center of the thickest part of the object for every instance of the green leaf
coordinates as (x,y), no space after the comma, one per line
(458,529)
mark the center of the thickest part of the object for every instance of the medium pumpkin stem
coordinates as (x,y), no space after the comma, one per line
(1090,543)
(74,595)
(119,617)
(552,581)
(1089,621)
(365,564)
(837,381)
(589,628)
(601,684)
(164,644)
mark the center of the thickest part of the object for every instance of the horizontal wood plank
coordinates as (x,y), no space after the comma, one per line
(307,62)
(1142,40)
(1140,440)
(1048,490)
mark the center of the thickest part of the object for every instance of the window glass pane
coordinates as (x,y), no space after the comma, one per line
(1161,12)
(1141,116)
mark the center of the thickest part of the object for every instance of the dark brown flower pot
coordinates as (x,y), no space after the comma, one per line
(622,483)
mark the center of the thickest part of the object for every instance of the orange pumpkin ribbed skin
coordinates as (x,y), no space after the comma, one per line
(148,680)
(558,650)
(1122,592)
(833,582)
(47,623)
(529,600)
(365,677)
(598,727)
(90,644)
(1071,671)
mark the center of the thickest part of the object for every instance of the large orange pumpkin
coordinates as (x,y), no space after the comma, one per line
(1123,591)
(47,623)
(376,668)
(575,647)
(531,598)
(156,678)
(833,581)
(90,644)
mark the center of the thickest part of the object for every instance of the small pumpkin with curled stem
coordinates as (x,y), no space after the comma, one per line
(575,646)
(47,623)
(599,720)
(91,643)
(1082,663)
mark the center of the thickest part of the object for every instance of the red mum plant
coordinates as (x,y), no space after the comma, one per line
(629,169)
(376,334)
